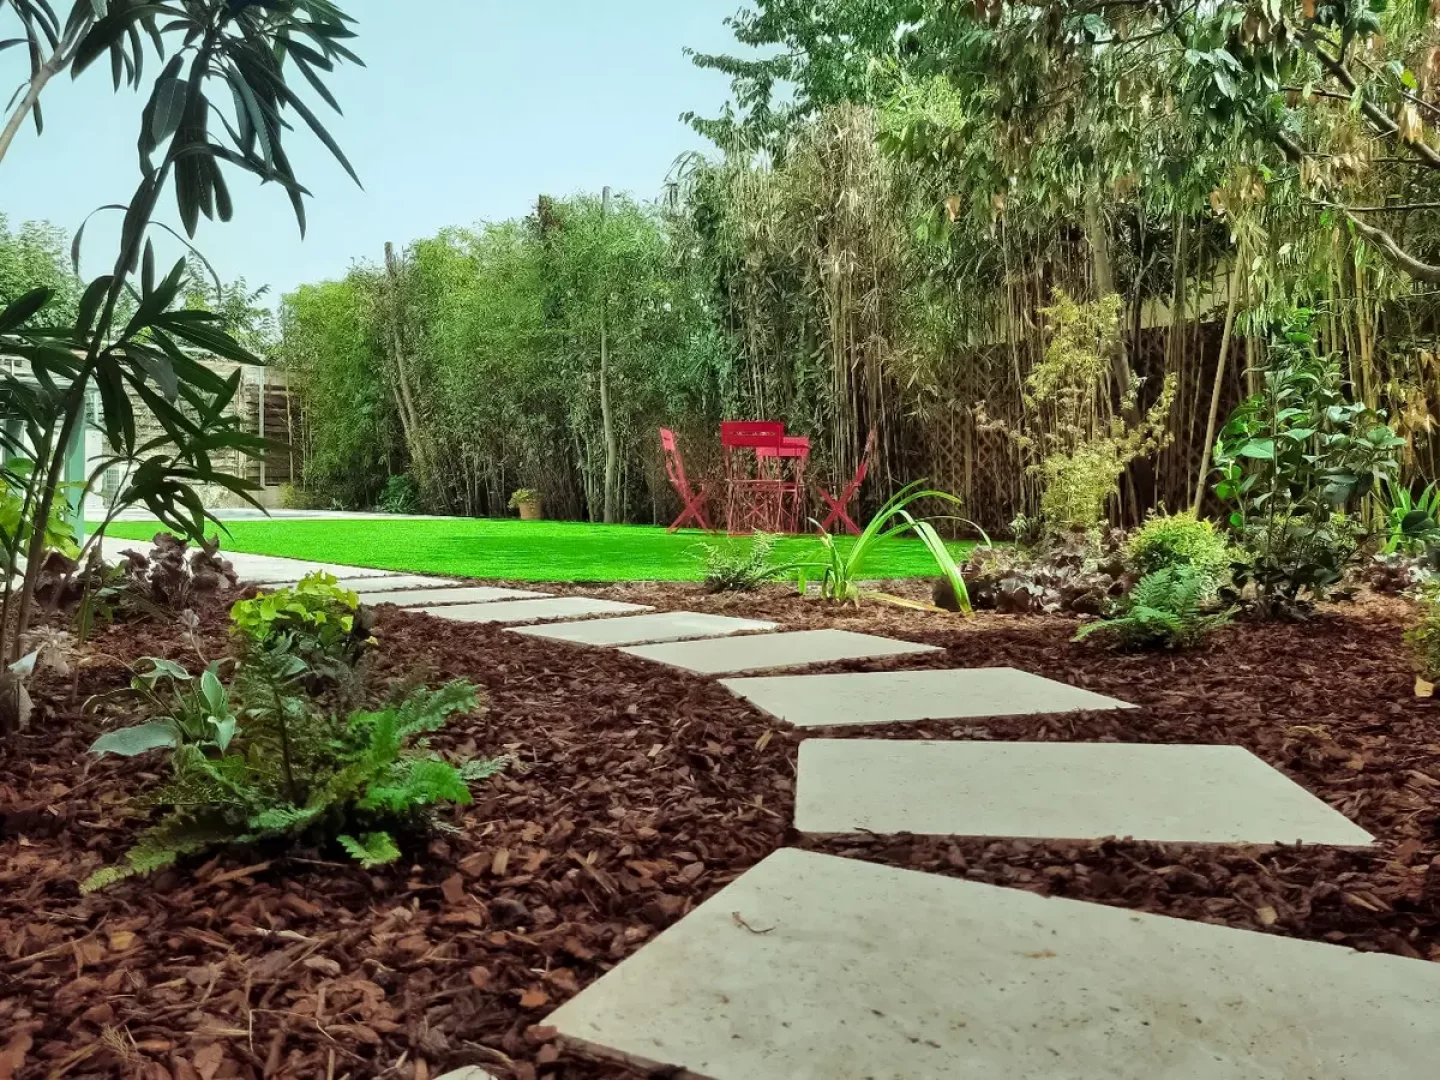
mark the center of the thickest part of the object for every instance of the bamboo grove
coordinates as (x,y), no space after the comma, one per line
(875,248)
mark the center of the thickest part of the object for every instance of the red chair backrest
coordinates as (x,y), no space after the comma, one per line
(863,469)
(674,463)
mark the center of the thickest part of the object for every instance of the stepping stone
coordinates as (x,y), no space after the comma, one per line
(265,569)
(1059,791)
(470,1072)
(397,581)
(661,626)
(518,611)
(813,967)
(378,583)
(887,696)
(473,594)
(758,652)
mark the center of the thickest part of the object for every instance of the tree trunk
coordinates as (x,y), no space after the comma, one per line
(27,103)
(1219,389)
(612,453)
(404,400)
(1105,280)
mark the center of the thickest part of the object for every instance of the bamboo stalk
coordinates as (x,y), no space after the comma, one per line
(1216,393)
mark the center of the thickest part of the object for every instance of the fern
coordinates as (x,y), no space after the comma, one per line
(372,849)
(1164,610)
(366,772)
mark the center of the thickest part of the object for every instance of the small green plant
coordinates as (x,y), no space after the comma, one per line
(182,710)
(843,569)
(741,568)
(401,495)
(524,497)
(295,775)
(318,620)
(1412,523)
(1181,539)
(1165,610)
(1423,639)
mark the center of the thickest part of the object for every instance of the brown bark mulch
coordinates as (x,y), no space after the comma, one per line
(635,793)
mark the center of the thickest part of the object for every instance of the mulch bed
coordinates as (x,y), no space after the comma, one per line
(636,793)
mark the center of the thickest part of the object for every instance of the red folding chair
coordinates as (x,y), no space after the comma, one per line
(840,507)
(753,501)
(796,450)
(693,499)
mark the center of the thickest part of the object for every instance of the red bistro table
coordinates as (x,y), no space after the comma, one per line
(759,495)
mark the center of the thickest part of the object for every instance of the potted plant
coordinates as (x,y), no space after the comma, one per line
(527,501)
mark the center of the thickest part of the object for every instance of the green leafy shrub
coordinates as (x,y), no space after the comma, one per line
(318,620)
(1423,639)
(182,710)
(16,516)
(401,495)
(1180,540)
(1165,610)
(523,497)
(295,497)
(1412,523)
(741,568)
(295,775)
(1294,460)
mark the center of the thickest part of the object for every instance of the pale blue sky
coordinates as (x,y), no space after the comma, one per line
(466,110)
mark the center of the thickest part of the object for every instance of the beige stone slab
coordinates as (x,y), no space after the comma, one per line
(759,652)
(377,583)
(468,594)
(813,967)
(1059,791)
(639,629)
(519,611)
(883,697)
(396,581)
(268,569)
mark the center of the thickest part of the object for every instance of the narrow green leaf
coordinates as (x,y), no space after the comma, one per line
(169,99)
(23,308)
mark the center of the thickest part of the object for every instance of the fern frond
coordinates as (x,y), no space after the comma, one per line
(427,710)
(283,819)
(372,849)
(483,768)
(103,879)
(413,783)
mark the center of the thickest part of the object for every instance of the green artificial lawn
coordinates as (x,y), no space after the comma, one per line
(525,550)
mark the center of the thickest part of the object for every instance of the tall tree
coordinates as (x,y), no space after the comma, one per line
(812,54)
